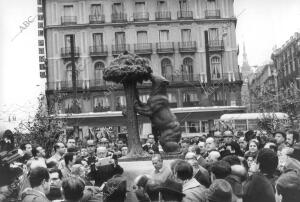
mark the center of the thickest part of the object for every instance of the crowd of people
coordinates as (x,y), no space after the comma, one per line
(223,167)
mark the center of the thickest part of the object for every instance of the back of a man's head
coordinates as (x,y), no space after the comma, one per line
(73,188)
(183,170)
(37,176)
(268,161)
(220,169)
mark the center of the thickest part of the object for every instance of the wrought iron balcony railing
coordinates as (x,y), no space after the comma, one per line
(216,45)
(97,19)
(163,15)
(184,15)
(66,52)
(120,48)
(141,16)
(69,20)
(98,50)
(212,14)
(165,47)
(143,48)
(187,46)
(118,17)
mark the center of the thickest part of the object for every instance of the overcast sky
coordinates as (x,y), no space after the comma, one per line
(262,25)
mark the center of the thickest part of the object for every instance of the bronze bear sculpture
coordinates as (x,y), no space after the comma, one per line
(162,119)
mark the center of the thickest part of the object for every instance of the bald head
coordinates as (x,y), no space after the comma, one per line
(210,144)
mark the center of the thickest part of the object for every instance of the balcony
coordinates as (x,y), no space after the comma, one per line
(190,104)
(120,107)
(185,15)
(101,108)
(216,45)
(118,49)
(143,48)
(98,51)
(140,16)
(187,47)
(118,17)
(68,20)
(163,15)
(97,19)
(66,52)
(226,77)
(212,14)
(165,47)
(173,105)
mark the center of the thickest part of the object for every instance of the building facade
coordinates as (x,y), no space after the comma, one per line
(190,42)
(263,89)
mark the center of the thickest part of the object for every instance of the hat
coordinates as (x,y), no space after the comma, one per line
(296,152)
(289,183)
(171,186)
(280,132)
(219,191)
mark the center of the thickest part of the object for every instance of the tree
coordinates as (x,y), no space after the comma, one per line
(130,69)
(43,130)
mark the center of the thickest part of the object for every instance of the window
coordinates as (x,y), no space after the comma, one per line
(172,98)
(186,35)
(40,9)
(98,39)
(41,42)
(213,34)
(144,98)
(187,68)
(120,102)
(41,58)
(142,37)
(215,64)
(140,7)
(39,2)
(193,127)
(183,5)
(68,10)
(70,107)
(40,17)
(69,75)
(41,50)
(163,36)
(40,32)
(96,10)
(120,39)
(166,67)
(190,97)
(211,5)
(101,103)
(99,67)
(162,6)
(204,126)
(68,40)
(40,25)
(117,8)
(42,67)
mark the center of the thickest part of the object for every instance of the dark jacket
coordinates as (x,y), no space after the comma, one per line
(104,173)
(31,195)
(258,189)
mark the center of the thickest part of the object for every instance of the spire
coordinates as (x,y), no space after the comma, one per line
(245,59)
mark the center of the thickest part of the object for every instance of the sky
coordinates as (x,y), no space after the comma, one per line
(262,24)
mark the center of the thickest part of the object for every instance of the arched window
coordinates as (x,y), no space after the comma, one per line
(216,72)
(166,68)
(187,69)
(99,66)
(69,75)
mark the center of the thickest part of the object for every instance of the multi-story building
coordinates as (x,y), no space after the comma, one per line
(287,63)
(190,42)
(263,89)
